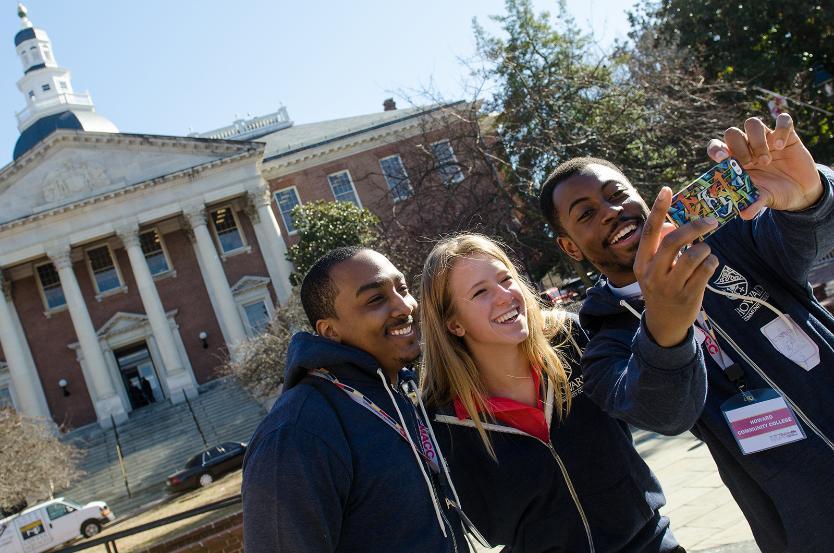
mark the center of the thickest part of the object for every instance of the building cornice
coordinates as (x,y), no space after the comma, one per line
(245,150)
(275,165)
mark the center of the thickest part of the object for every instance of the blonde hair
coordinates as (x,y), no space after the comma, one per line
(449,370)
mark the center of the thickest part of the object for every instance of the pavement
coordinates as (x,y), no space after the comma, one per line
(703,514)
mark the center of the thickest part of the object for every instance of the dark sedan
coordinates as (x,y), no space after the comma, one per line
(207,466)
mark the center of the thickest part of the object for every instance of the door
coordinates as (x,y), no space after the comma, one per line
(62,525)
(139,376)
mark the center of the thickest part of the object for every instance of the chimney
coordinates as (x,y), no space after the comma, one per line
(389,104)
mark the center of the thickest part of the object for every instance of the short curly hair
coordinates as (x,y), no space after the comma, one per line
(562,173)
(318,292)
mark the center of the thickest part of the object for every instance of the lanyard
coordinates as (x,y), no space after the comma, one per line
(732,370)
(426,448)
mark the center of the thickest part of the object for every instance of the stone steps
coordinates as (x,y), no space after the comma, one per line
(156,441)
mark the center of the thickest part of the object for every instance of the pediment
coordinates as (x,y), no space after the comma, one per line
(249,282)
(72,170)
(123,322)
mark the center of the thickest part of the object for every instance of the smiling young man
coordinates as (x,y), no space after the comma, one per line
(343,462)
(768,344)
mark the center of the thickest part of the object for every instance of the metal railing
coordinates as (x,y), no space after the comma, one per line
(109,541)
(66,98)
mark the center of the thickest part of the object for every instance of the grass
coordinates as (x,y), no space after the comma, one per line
(228,486)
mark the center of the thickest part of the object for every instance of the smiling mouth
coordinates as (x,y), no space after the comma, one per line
(509,317)
(402,331)
(624,233)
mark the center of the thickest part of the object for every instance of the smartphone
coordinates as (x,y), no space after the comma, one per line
(722,192)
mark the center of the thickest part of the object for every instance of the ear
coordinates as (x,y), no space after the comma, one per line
(327,329)
(569,247)
(455,328)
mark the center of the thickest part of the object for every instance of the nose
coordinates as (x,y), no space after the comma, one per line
(402,306)
(611,211)
(503,296)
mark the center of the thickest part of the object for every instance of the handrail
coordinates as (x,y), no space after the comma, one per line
(111,539)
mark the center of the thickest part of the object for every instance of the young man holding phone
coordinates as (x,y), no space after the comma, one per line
(768,345)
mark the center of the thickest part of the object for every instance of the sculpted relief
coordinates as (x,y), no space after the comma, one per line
(73,178)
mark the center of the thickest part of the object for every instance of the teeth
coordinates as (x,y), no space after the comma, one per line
(623,232)
(401,331)
(507,316)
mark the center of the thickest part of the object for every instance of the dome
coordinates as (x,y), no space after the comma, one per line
(89,121)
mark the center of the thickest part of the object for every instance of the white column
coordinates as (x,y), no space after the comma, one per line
(27,384)
(177,378)
(273,247)
(215,277)
(102,391)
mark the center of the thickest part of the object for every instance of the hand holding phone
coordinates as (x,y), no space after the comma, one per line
(721,193)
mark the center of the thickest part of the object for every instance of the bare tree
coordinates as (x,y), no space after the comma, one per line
(260,363)
(33,460)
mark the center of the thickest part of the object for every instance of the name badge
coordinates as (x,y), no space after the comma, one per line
(791,341)
(761,419)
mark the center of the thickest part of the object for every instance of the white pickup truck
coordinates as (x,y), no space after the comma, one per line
(51,523)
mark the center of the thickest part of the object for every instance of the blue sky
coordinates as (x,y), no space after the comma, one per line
(165,67)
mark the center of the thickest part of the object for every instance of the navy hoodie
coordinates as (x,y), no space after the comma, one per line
(786,493)
(323,474)
(540,497)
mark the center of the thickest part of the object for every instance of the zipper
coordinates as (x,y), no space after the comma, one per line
(773,385)
(562,468)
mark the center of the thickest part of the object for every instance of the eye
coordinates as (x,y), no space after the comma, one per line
(375,299)
(478,293)
(507,278)
(585,214)
(403,290)
(618,194)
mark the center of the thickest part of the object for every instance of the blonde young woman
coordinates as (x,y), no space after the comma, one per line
(537,466)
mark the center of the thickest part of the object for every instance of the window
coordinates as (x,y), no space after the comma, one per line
(31,93)
(342,187)
(226,228)
(62,85)
(398,182)
(257,316)
(151,244)
(104,270)
(5,397)
(447,164)
(57,510)
(53,294)
(286,200)
(46,54)
(45,87)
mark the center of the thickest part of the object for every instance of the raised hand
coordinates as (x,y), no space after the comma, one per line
(778,163)
(672,285)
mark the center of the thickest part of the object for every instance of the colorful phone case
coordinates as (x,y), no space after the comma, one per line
(721,192)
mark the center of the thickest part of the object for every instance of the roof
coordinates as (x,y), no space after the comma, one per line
(300,137)
(75,120)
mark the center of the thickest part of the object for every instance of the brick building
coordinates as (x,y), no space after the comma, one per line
(130,263)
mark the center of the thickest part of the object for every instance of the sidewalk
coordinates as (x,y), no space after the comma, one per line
(704,516)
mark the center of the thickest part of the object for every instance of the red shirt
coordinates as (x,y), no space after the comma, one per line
(529,420)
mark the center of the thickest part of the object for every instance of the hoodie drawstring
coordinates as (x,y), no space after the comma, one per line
(416,454)
(633,311)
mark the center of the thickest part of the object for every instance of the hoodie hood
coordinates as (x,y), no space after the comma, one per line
(309,351)
(601,303)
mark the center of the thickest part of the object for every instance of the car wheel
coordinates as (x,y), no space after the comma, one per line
(206,480)
(90,528)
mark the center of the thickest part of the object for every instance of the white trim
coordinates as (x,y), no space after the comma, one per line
(352,186)
(454,161)
(165,253)
(48,311)
(294,188)
(99,294)
(216,236)
(410,189)
(248,290)
(487,425)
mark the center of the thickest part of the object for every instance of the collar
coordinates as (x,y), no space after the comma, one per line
(530,420)
(627,291)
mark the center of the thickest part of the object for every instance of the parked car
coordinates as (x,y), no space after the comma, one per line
(207,466)
(50,524)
